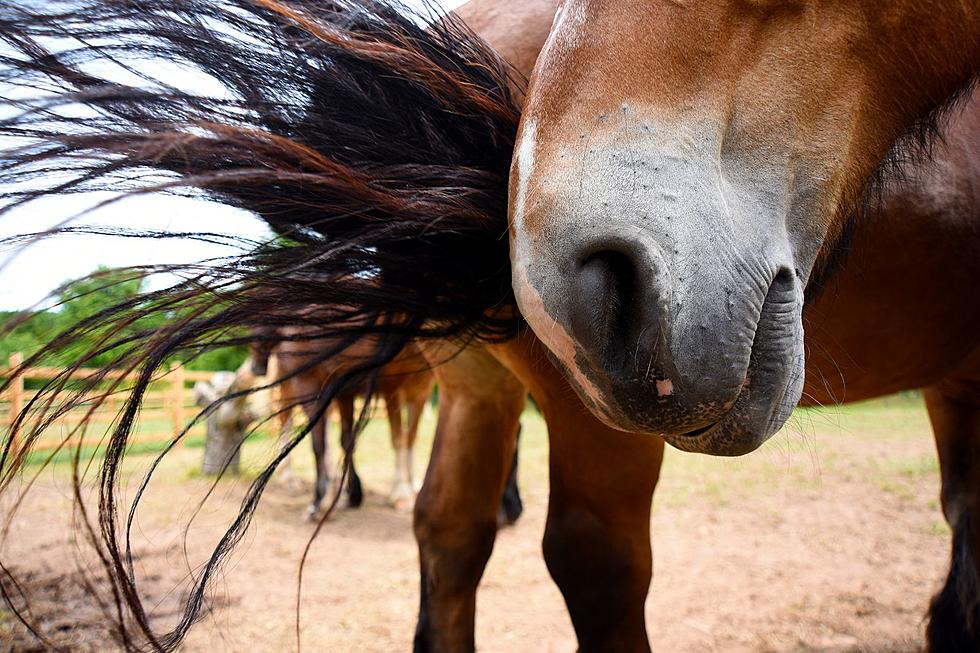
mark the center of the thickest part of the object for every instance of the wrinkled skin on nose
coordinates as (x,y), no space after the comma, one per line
(664,280)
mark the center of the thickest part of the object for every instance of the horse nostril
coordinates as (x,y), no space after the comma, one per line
(604,305)
(784,280)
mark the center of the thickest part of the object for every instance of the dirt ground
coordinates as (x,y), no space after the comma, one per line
(829,540)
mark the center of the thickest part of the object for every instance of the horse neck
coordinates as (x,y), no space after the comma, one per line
(516,30)
(929,51)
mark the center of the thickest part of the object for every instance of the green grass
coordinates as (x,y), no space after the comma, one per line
(894,416)
(939,529)
(816,442)
(886,442)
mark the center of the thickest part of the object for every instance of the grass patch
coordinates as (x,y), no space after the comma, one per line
(940,529)
(885,442)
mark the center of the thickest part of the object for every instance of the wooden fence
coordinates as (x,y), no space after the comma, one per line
(166,408)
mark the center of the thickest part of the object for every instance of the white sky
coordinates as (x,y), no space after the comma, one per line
(28,275)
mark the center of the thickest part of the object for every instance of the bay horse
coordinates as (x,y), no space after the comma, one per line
(640,114)
(678,210)
(405,385)
(407,381)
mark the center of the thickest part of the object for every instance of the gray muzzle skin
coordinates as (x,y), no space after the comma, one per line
(666,285)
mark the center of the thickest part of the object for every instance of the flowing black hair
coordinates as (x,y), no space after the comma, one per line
(375,140)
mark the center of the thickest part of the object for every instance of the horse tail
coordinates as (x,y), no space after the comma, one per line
(375,140)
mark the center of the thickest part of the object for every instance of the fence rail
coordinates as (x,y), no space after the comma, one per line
(164,412)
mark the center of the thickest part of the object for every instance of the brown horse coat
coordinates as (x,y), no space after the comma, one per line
(901,312)
(407,381)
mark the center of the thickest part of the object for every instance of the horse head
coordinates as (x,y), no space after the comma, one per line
(682,171)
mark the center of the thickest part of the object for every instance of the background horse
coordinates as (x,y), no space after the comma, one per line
(597,540)
(406,382)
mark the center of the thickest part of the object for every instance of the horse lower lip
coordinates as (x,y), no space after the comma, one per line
(696,433)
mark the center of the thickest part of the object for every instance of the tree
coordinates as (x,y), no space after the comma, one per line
(86,297)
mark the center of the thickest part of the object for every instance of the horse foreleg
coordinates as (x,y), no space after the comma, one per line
(480,404)
(597,537)
(954,409)
(416,399)
(345,406)
(402,493)
(318,438)
(286,473)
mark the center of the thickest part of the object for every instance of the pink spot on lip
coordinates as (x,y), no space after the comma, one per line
(665,388)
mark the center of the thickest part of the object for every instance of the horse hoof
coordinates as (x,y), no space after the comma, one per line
(502,520)
(345,502)
(403,504)
(507,517)
(354,495)
(402,498)
(312,513)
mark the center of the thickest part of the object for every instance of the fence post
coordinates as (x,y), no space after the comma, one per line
(177,397)
(16,390)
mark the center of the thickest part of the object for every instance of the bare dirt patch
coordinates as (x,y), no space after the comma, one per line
(828,540)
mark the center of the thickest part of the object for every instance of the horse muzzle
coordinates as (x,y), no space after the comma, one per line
(666,321)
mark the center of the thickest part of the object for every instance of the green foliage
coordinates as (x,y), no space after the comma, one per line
(87,297)
(27,337)
(219,358)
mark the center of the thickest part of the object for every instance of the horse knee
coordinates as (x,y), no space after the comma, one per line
(604,577)
(582,552)
(453,552)
(453,549)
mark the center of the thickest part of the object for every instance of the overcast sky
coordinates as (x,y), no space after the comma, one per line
(28,275)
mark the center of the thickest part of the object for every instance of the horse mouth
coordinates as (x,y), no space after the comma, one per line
(728,435)
(697,432)
(713,439)
(706,439)
(746,425)
(771,388)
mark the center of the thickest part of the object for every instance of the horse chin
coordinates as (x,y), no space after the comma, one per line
(726,437)
(772,387)
(759,412)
